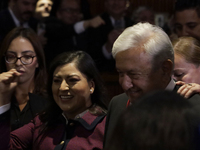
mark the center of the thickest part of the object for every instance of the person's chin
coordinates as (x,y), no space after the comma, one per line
(133,96)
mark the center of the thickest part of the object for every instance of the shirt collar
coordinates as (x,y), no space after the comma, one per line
(113,21)
(76,117)
(171,85)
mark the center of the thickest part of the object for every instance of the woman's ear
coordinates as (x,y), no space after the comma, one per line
(92,86)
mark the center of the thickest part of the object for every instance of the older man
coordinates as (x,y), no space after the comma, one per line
(144,60)
(187,18)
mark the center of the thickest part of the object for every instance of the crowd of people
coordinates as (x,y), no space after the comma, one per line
(53,96)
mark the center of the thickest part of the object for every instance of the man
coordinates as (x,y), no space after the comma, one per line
(103,37)
(43,9)
(144,14)
(19,13)
(187,18)
(144,60)
(65,29)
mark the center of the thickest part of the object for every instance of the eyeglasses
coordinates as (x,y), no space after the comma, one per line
(25,60)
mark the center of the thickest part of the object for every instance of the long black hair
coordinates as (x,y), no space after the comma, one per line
(85,65)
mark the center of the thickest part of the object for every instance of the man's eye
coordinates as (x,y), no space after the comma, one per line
(135,76)
(178,74)
(192,26)
(178,27)
(120,74)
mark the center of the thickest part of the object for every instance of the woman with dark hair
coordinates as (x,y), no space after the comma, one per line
(161,120)
(22,52)
(75,118)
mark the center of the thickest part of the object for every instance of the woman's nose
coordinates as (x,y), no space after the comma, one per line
(64,86)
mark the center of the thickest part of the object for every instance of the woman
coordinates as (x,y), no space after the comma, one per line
(21,51)
(187,64)
(75,118)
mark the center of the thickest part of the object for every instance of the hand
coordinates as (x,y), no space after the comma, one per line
(187,90)
(8,83)
(94,22)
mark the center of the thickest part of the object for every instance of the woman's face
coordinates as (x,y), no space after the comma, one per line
(186,72)
(71,90)
(22,47)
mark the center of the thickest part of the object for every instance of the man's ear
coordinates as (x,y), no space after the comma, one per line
(167,67)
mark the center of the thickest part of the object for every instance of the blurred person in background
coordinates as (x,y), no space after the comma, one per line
(18,13)
(103,37)
(143,14)
(187,18)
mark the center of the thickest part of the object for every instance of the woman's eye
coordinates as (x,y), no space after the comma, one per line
(73,80)
(27,57)
(56,80)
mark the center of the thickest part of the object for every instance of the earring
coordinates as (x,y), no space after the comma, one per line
(90,90)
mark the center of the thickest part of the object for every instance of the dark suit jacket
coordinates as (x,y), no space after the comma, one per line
(35,105)
(98,37)
(118,105)
(7,23)
(61,38)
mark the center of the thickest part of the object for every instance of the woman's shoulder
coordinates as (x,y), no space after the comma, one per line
(90,120)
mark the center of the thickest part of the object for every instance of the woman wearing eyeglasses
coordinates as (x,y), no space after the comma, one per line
(21,54)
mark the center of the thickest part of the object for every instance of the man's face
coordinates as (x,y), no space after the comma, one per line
(43,8)
(69,12)
(187,23)
(24,9)
(116,8)
(135,73)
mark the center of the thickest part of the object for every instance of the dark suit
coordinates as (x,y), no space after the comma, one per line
(118,105)
(61,38)
(7,23)
(98,37)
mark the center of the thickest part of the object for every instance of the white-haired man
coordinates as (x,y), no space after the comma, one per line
(144,60)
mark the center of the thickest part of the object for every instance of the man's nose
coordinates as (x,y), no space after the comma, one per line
(64,86)
(184,31)
(126,82)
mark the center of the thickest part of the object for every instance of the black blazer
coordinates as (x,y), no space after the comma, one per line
(35,105)
(7,23)
(118,105)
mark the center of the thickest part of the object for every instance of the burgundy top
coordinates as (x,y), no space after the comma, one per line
(88,132)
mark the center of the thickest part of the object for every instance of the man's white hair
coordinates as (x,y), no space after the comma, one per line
(150,38)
